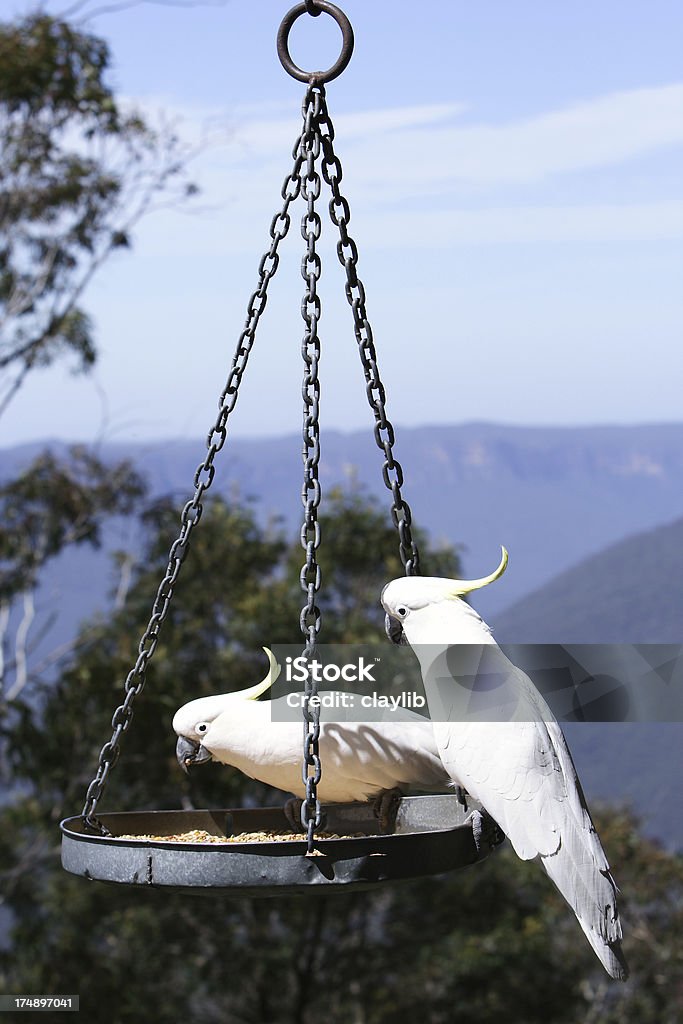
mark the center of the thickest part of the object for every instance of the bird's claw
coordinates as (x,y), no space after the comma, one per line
(386,807)
(292,812)
(485,831)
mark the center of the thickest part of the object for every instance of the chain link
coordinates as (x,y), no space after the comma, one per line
(316,139)
(347,252)
(192,511)
(310,577)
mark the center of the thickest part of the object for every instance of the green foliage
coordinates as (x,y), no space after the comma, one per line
(54,503)
(45,62)
(76,173)
(490,942)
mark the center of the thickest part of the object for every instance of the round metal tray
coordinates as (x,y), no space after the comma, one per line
(433,834)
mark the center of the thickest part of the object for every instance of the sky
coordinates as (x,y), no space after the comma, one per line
(514,174)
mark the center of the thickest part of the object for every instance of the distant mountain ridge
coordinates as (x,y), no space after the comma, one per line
(631,592)
(552,495)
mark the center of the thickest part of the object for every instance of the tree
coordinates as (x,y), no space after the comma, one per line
(491,941)
(52,504)
(77,172)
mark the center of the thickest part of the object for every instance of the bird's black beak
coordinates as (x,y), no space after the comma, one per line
(394,630)
(189,753)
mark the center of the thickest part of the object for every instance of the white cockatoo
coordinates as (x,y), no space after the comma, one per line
(519,768)
(361,760)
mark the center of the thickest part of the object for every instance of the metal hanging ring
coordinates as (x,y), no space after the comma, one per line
(315,7)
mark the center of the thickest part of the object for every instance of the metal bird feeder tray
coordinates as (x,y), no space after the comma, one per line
(431,837)
(431,834)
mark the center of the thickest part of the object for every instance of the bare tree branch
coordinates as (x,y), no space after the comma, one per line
(4,623)
(13,387)
(21,676)
(125,578)
(123,5)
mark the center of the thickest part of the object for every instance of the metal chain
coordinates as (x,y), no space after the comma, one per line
(192,511)
(347,251)
(310,576)
(317,137)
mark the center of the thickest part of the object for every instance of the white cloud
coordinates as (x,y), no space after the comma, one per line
(390,147)
(403,150)
(637,222)
(606,130)
(385,157)
(272,136)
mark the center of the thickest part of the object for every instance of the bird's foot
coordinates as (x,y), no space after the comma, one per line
(486,832)
(292,812)
(386,808)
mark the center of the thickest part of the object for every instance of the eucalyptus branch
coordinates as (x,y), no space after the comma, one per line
(4,623)
(13,388)
(21,676)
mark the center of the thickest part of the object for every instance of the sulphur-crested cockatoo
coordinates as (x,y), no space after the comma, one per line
(361,760)
(519,768)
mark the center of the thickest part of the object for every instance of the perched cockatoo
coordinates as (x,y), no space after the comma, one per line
(361,760)
(518,768)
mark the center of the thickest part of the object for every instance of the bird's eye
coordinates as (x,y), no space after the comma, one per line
(202,727)
(402,611)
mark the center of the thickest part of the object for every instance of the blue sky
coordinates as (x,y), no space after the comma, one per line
(514,173)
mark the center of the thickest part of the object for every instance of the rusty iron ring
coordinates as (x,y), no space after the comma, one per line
(315,7)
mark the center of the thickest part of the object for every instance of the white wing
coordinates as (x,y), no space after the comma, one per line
(359,759)
(523,774)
